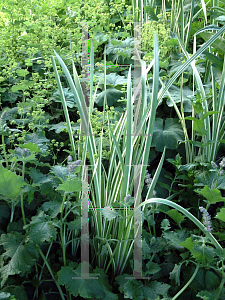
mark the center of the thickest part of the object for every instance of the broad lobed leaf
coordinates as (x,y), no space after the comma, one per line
(20,256)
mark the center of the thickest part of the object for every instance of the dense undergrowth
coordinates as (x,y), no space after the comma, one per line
(159,146)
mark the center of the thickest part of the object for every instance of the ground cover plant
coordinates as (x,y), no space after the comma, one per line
(146,155)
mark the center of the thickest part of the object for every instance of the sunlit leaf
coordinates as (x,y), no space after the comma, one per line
(62,126)
(60,172)
(72,185)
(221,214)
(212,195)
(17,291)
(188,243)
(175,93)
(176,216)
(219,44)
(112,79)
(10,183)
(198,125)
(32,147)
(120,49)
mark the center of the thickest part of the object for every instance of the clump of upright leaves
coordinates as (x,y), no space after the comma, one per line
(97,122)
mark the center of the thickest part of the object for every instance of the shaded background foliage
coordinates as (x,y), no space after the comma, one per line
(35,145)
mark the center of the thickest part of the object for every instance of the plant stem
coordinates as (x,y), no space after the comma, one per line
(22,208)
(4,151)
(40,275)
(50,271)
(187,284)
(217,178)
(220,288)
(153,215)
(12,212)
(222,282)
(61,231)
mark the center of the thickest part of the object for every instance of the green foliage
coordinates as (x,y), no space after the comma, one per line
(109,213)
(167,135)
(71,185)
(87,288)
(10,183)
(42,229)
(120,51)
(219,45)
(134,289)
(114,84)
(175,274)
(18,293)
(203,254)
(30,34)
(40,204)
(176,216)
(96,119)
(221,215)
(175,93)
(70,101)
(212,195)
(6,296)
(21,257)
(147,39)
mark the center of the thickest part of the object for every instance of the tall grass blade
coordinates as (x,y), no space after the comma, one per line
(129,130)
(218,122)
(66,113)
(153,103)
(84,119)
(204,10)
